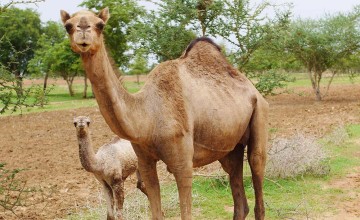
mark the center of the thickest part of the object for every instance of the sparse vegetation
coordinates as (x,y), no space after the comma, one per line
(338,136)
(297,155)
(14,193)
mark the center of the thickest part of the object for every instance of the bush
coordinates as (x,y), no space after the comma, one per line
(298,155)
(14,193)
(11,100)
(337,136)
(271,80)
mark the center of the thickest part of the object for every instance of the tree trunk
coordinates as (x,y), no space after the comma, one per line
(45,81)
(318,94)
(329,83)
(19,84)
(202,7)
(138,79)
(69,82)
(315,83)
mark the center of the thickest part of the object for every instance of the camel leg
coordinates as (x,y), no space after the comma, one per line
(109,201)
(182,169)
(183,177)
(233,165)
(118,190)
(140,184)
(148,172)
(257,156)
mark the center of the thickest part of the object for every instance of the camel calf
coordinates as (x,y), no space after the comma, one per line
(111,165)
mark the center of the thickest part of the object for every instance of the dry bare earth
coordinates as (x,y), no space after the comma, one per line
(45,144)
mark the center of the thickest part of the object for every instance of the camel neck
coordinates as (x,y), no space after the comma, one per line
(115,103)
(86,152)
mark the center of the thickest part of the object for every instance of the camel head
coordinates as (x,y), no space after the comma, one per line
(85,29)
(82,124)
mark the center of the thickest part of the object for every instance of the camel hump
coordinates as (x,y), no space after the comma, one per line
(204,57)
(197,40)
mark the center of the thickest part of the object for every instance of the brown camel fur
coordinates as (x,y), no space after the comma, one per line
(191,112)
(111,165)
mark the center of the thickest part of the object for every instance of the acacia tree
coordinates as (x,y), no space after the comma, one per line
(19,31)
(207,12)
(52,34)
(322,44)
(7,4)
(165,32)
(196,15)
(66,63)
(349,65)
(139,65)
(247,27)
(160,36)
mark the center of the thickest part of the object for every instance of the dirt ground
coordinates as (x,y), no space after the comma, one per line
(45,144)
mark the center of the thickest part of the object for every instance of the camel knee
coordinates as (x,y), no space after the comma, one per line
(140,185)
(257,163)
(241,214)
(110,217)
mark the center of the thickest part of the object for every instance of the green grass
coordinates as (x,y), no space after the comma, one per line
(214,198)
(59,98)
(301,197)
(302,80)
(354,131)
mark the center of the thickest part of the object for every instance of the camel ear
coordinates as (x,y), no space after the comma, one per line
(64,16)
(104,14)
(74,120)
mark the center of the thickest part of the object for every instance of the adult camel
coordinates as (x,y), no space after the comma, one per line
(191,112)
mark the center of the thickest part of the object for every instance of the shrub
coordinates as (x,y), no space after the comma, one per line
(295,156)
(271,80)
(337,136)
(14,193)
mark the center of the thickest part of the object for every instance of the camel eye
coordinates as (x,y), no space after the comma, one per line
(88,123)
(100,26)
(68,27)
(75,124)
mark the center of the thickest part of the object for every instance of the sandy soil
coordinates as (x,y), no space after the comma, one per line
(45,144)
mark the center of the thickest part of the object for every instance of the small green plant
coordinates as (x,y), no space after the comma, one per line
(271,80)
(11,100)
(10,189)
(14,193)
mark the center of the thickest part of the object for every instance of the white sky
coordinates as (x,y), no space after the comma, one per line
(50,9)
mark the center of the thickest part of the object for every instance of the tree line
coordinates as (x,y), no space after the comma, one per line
(263,45)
